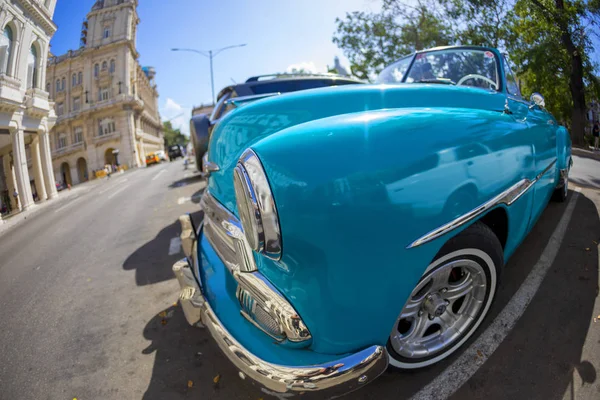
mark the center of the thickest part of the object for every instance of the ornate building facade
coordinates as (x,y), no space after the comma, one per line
(26,115)
(106,103)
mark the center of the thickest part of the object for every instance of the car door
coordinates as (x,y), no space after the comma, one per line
(541,134)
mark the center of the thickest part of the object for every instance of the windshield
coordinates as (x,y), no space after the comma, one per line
(465,67)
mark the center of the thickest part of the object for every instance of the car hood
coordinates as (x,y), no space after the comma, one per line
(250,123)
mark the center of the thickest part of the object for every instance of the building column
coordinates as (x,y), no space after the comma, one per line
(47,170)
(9,177)
(21,169)
(37,169)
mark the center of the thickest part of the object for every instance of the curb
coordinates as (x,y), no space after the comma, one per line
(595,155)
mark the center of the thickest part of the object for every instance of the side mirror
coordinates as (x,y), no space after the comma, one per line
(538,100)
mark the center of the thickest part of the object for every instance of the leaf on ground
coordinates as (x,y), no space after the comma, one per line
(479,354)
(217,378)
(162,314)
(190,384)
(163,321)
(587,249)
(594,242)
(175,304)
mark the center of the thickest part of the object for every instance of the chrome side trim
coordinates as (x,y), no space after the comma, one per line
(224,233)
(507,197)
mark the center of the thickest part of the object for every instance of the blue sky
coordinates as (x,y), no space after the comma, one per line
(279,34)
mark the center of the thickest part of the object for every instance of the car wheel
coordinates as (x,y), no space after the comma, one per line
(450,301)
(562,193)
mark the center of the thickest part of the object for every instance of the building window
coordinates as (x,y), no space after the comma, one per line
(5,49)
(112,66)
(61,143)
(79,78)
(96,70)
(106,32)
(104,94)
(62,84)
(60,108)
(106,126)
(58,85)
(32,66)
(74,80)
(48,87)
(78,135)
(76,103)
(104,66)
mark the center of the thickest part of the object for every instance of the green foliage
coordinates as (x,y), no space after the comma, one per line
(371,40)
(549,41)
(174,136)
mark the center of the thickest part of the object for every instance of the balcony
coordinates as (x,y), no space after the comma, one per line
(107,137)
(37,101)
(63,151)
(10,90)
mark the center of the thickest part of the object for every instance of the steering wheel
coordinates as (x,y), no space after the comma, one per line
(476,76)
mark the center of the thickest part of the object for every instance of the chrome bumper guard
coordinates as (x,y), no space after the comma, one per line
(327,380)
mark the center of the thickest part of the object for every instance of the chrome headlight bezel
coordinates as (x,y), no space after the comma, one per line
(256,206)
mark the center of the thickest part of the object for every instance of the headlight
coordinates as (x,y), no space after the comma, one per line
(256,206)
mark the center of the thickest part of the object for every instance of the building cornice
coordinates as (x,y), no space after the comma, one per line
(40,14)
(83,51)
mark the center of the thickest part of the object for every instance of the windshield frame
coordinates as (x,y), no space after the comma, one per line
(499,70)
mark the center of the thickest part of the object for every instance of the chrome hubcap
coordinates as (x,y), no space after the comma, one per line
(441,309)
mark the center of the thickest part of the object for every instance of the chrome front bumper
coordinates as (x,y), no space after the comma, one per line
(328,380)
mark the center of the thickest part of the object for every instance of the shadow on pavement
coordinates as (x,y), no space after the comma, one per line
(185,356)
(151,262)
(187,181)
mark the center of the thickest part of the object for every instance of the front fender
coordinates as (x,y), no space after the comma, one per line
(354,190)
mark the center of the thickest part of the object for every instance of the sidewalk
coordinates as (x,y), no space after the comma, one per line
(588,153)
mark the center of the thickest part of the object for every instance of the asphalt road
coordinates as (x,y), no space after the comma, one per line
(87,300)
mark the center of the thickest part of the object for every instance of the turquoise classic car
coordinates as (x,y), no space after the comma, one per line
(351,228)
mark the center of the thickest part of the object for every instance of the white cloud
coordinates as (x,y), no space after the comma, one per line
(308,66)
(178,115)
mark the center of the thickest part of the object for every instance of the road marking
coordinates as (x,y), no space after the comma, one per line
(75,200)
(117,191)
(461,370)
(120,181)
(158,174)
(182,200)
(175,246)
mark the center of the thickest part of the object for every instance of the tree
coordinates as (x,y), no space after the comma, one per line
(373,40)
(552,48)
(174,136)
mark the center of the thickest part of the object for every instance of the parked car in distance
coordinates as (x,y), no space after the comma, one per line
(352,228)
(153,158)
(176,151)
(255,88)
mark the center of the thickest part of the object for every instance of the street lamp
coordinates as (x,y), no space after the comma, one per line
(210,54)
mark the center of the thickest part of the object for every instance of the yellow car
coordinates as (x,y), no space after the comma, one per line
(152,158)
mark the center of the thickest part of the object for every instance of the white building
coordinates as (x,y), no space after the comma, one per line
(106,103)
(26,115)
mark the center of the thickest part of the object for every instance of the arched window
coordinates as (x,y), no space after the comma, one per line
(48,87)
(62,84)
(96,70)
(74,80)
(32,67)
(6,42)
(58,85)
(104,66)
(79,77)
(112,66)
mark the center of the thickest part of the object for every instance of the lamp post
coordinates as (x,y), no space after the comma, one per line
(210,54)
